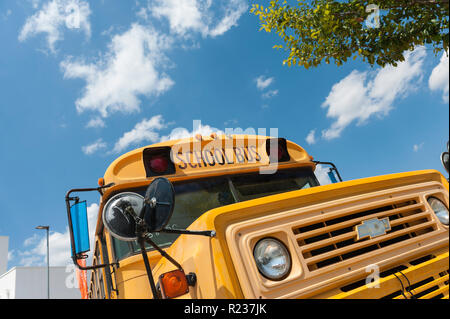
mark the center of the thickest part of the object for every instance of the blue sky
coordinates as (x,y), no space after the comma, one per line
(82,82)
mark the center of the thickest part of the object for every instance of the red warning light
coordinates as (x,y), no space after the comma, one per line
(157,161)
(159,164)
(279,145)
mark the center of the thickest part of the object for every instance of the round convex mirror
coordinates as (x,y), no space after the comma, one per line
(160,201)
(445,161)
(117,215)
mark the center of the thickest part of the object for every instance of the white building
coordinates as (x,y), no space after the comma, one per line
(3,254)
(31,282)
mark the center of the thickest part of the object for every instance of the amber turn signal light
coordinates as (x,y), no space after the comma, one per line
(173,284)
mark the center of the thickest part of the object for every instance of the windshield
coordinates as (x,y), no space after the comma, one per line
(195,197)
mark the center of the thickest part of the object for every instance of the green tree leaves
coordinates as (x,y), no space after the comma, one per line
(329,30)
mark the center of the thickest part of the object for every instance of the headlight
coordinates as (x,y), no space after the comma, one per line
(272,258)
(439,209)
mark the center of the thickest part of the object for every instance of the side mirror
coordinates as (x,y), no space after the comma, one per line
(78,226)
(80,229)
(159,203)
(119,215)
(445,161)
(123,211)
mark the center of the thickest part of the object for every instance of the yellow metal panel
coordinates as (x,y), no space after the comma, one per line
(433,283)
(435,293)
(391,283)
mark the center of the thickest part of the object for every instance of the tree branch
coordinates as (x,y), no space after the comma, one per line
(430,1)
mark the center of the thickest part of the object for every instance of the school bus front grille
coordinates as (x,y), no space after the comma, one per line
(333,240)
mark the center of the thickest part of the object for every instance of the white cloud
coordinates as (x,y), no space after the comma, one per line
(439,78)
(263,82)
(94,147)
(31,240)
(198,15)
(59,244)
(361,95)
(417,147)
(182,14)
(5,16)
(28,259)
(35,3)
(228,123)
(146,130)
(179,132)
(234,10)
(345,102)
(311,137)
(270,94)
(95,122)
(54,16)
(129,69)
(143,13)
(11,255)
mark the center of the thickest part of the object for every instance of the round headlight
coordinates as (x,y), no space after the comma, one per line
(439,209)
(272,258)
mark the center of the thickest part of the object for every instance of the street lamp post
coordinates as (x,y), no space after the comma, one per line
(47,228)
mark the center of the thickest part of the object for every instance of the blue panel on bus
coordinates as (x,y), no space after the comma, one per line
(78,213)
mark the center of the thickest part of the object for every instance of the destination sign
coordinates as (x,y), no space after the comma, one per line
(216,157)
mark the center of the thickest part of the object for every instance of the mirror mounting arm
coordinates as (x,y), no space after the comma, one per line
(207,233)
(162,252)
(141,241)
(79,257)
(142,235)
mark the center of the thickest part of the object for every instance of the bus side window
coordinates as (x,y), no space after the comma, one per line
(106,261)
(99,274)
(100,284)
(93,282)
(97,290)
(90,296)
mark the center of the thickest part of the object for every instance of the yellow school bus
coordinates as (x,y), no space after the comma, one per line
(244,216)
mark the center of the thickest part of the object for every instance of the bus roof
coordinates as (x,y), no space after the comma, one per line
(205,155)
